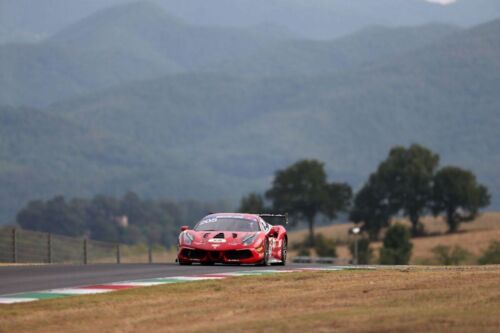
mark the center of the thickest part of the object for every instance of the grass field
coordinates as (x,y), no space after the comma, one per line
(423,299)
(474,236)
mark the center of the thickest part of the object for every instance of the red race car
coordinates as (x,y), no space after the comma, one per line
(232,238)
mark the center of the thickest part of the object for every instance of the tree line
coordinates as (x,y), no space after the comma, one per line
(128,219)
(407,183)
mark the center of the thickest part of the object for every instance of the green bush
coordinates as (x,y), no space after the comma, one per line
(365,252)
(491,255)
(447,255)
(397,246)
(325,247)
(304,252)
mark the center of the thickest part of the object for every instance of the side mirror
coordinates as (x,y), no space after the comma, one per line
(184,228)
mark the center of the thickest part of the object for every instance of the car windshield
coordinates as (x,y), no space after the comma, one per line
(227,224)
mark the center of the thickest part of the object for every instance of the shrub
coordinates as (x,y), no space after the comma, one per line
(446,255)
(397,246)
(365,252)
(304,252)
(325,247)
(491,255)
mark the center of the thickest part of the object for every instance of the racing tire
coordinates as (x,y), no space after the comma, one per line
(265,261)
(284,252)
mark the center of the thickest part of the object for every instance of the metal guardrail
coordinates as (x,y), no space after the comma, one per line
(321,260)
(24,246)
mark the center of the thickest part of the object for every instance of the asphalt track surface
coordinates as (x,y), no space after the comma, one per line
(15,279)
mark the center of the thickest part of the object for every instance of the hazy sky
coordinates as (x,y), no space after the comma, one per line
(444,2)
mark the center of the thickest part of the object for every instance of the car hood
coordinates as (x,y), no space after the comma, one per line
(218,236)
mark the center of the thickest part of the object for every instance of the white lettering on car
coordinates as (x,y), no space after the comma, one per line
(211,220)
(217,240)
(274,243)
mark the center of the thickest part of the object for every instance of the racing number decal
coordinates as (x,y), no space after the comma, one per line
(275,243)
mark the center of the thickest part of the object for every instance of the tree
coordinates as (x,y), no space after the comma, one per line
(32,217)
(56,215)
(128,219)
(458,195)
(407,175)
(302,191)
(397,246)
(371,207)
(252,203)
(100,214)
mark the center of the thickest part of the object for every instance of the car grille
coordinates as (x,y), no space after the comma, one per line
(194,254)
(243,254)
(216,256)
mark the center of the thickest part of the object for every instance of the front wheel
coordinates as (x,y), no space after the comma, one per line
(284,249)
(265,260)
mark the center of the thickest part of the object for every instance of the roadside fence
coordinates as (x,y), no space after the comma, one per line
(24,246)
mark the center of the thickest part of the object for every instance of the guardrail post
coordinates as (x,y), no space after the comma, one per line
(14,245)
(118,255)
(49,248)
(85,251)
(150,254)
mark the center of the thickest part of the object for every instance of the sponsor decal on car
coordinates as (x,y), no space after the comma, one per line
(210,220)
(217,240)
(274,243)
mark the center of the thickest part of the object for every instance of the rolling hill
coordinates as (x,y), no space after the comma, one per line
(139,40)
(42,155)
(134,41)
(443,95)
(30,20)
(369,45)
(327,19)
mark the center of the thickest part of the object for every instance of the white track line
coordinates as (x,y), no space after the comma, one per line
(11,300)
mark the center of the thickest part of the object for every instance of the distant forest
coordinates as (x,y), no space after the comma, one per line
(408,183)
(128,219)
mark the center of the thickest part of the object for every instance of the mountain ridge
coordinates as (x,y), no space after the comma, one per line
(105,49)
(415,97)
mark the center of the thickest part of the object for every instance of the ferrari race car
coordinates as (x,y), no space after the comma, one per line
(231,238)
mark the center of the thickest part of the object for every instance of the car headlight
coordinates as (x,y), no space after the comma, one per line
(187,238)
(249,239)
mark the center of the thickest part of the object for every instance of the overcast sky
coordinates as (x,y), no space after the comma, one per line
(444,2)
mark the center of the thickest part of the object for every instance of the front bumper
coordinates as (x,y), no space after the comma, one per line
(230,256)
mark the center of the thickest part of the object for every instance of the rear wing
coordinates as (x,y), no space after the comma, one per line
(282,217)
